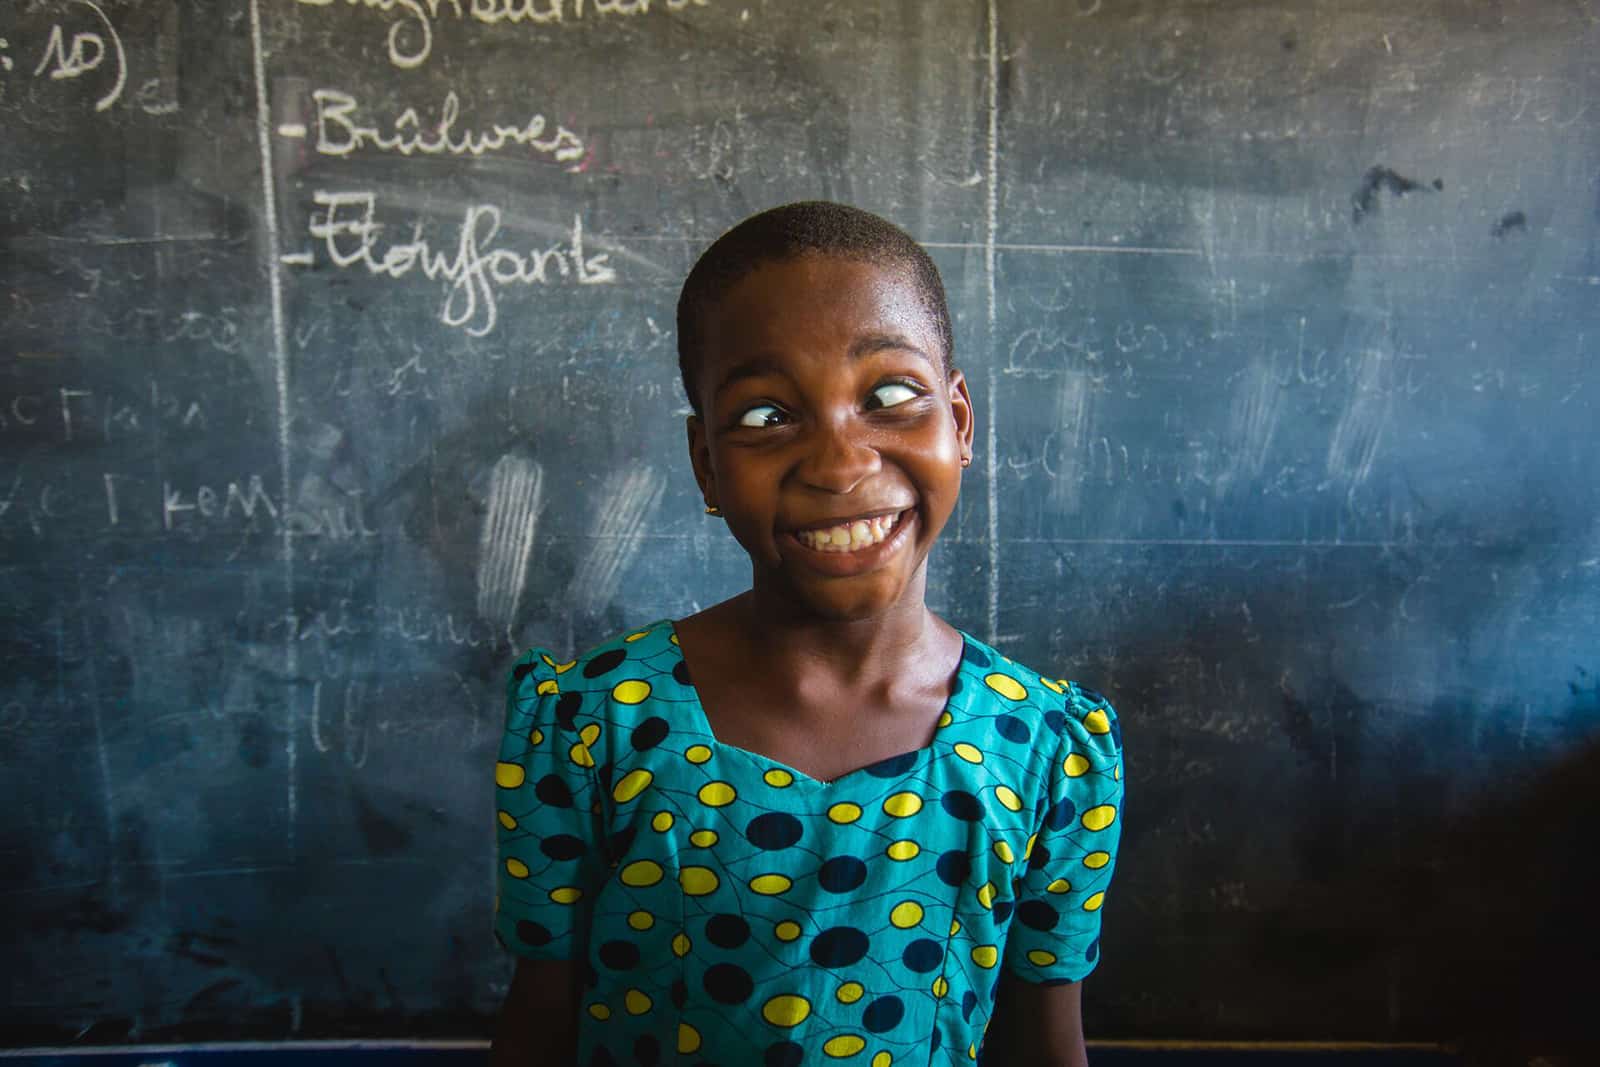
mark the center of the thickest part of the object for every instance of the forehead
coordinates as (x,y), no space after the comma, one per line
(818,299)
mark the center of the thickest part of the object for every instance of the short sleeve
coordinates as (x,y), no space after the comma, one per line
(548,800)
(1055,932)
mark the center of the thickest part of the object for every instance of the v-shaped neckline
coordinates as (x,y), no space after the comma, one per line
(955,703)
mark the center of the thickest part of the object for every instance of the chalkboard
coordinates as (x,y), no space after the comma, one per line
(337,365)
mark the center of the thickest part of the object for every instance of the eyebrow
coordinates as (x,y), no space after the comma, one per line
(864,346)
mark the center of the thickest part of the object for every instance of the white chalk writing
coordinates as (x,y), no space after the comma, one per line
(68,59)
(341,130)
(349,230)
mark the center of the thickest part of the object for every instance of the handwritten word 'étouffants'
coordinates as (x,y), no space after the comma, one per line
(342,130)
(349,231)
(411,38)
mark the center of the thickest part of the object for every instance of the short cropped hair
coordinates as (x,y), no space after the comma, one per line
(793,230)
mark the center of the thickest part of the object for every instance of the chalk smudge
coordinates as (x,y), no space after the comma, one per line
(506,543)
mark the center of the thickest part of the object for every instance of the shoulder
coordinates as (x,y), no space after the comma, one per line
(619,679)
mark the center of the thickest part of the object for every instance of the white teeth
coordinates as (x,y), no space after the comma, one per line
(849,536)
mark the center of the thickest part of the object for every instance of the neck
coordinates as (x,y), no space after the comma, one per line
(849,649)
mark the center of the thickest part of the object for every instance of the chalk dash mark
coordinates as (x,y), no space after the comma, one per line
(1384,180)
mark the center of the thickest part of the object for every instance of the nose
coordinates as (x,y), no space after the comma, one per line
(839,456)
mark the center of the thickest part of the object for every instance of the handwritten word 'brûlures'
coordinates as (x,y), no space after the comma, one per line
(349,232)
(341,130)
(411,36)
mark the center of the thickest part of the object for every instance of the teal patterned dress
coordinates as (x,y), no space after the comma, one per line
(727,909)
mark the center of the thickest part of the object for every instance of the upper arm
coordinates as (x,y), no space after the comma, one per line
(1037,1025)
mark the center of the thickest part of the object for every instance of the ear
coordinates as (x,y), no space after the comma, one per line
(700,459)
(962,412)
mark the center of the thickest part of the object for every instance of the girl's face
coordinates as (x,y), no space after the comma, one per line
(831,437)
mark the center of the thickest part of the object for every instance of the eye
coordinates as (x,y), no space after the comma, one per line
(890,394)
(761,416)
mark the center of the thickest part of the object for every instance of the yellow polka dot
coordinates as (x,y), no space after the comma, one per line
(636,1002)
(1028,851)
(1095,860)
(778,778)
(508,775)
(717,794)
(1040,958)
(842,1046)
(969,753)
(507,820)
(563,668)
(903,850)
(1008,799)
(589,734)
(1096,722)
(985,956)
(681,945)
(902,805)
(697,881)
(641,873)
(1076,766)
(940,986)
(850,992)
(566,894)
(579,754)
(844,812)
(1116,773)
(697,753)
(1099,818)
(688,1039)
(770,885)
(955,927)
(1060,885)
(547,660)
(535,736)
(786,1010)
(906,914)
(1094,902)
(673,637)
(641,920)
(662,822)
(786,930)
(547,687)
(632,691)
(882,1059)
(972,1051)
(703,838)
(944,720)
(1003,850)
(599,1011)
(1054,687)
(1006,686)
(516,868)
(636,635)
(986,895)
(633,783)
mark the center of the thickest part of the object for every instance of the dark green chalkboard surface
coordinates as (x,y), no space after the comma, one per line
(337,365)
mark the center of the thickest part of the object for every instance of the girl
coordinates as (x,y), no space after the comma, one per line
(814,823)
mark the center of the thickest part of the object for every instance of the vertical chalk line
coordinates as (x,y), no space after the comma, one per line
(280,355)
(990,233)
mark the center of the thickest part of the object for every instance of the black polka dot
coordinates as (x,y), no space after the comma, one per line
(680,671)
(531,933)
(522,670)
(1060,814)
(969,1000)
(679,993)
(1038,857)
(1091,696)
(953,867)
(567,710)
(601,1057)
(783,1054)
(1037,914)
(975,656)
(1002,911)
(617,844)
(1013,729)
(839,946)
(603,773)
(922,956)
(1055,720)
(1093,950)
(619,955)
(883,1014)
(647,1050)
(563,847)
(774,830)
(727,931)
(728,984)
(842,874)
(605,661)
(552,790)
(649,733)
(962,805)
(934,1040)
(893,767)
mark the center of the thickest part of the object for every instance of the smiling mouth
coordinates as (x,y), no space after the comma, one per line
(850,536)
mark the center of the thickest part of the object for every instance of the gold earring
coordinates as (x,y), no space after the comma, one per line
(966,461)
(712,509)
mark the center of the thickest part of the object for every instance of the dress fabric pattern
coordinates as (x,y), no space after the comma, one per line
(728,909)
